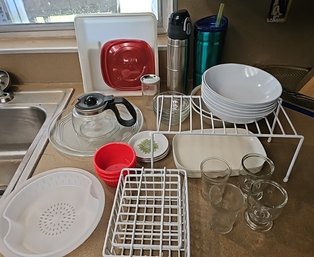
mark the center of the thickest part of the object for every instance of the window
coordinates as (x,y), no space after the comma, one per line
(34,15)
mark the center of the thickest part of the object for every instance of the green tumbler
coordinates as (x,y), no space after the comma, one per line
(208,45)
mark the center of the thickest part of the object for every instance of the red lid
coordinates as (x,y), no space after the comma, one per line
(124,61)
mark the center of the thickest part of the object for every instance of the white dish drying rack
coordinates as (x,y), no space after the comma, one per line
(150,215)
(276,125)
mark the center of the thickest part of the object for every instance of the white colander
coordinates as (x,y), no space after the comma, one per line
(52,213)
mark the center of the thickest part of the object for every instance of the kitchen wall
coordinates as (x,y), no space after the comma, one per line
(250,39)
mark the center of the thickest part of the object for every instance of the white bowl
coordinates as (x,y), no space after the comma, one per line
(237,107)
(242,84)
(210,105)
(199,106)
(232,117)
(211,101)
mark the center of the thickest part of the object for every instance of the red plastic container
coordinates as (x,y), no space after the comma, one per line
(124,61)
(111,158)
(112,182)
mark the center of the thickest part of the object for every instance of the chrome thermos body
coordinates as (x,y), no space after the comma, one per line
(179,30)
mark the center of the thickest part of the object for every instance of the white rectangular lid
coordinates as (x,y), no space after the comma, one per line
(92,31)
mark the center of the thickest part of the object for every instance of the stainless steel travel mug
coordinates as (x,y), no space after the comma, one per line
(179,30)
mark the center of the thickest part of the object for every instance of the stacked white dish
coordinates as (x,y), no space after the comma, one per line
(240,93)
(141,143)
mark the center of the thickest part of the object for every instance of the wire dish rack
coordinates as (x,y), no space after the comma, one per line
(150,215)
(201,121)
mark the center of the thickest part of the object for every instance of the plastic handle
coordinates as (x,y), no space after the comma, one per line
(129,107)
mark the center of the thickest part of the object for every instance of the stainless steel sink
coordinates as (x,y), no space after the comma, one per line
(25,121)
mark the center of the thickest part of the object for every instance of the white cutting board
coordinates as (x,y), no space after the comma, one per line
(92,31)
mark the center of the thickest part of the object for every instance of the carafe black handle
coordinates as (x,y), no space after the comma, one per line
(120,100)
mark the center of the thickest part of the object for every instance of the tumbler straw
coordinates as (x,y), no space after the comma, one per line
(219,15)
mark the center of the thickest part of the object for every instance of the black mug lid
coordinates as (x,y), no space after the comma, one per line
(179,26)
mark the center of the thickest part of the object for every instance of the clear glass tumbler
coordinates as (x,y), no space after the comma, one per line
(150,84)
(214,171)
(254,166)
(264,204)
(226,201)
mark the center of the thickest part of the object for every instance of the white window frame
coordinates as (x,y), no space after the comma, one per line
(65,28)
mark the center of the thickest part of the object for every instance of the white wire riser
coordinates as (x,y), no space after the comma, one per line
(199,122)
(150,215)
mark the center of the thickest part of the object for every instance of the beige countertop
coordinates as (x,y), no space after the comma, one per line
(292,234)
(308,88)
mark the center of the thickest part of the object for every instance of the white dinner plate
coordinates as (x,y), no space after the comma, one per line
(190,150)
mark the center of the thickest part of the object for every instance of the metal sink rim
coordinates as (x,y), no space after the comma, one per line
(57,100)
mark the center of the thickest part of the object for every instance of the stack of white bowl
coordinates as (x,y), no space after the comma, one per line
(240,93)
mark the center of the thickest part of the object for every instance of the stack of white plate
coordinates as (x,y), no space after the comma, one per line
(240,93)
(141,143)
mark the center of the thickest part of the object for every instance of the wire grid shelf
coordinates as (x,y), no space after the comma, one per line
(200,121)
(150,214)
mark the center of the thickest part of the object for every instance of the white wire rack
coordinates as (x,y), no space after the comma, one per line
(150,214)
(200,121)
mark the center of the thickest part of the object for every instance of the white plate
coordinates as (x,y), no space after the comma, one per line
(232,111)
(156,159)
(189,150)
(51,214)
(92,31)
(141,142)
(64,138)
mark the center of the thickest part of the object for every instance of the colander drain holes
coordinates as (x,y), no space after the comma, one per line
(57,219)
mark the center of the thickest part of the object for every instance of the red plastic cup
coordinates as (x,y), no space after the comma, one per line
(112,182)
(111,158)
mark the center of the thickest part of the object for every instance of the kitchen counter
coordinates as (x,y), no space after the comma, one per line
(293,231)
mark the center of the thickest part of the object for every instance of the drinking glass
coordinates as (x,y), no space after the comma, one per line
(265,202)
(226,201)
(214,171)
(150,84)
(254,166)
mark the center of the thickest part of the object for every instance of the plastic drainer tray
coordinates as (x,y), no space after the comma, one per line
(149,215)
